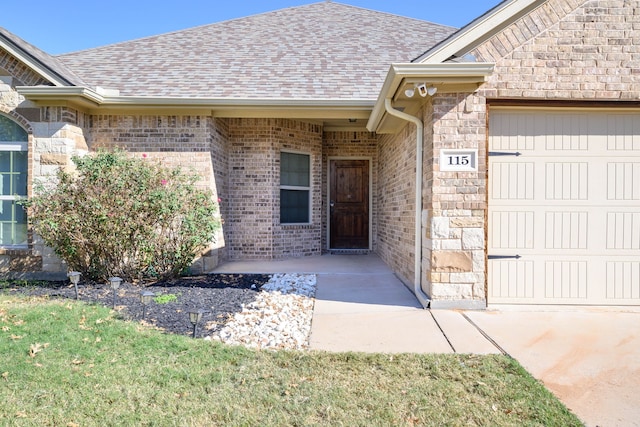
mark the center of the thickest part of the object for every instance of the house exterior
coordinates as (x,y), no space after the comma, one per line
(494,164)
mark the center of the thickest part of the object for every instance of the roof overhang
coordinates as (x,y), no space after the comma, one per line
(447,78)
(335,113)
(32,62)
(479,30)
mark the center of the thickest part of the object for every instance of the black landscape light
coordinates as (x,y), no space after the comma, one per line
(115,284)
(74,277)
(145,299)
(195,316)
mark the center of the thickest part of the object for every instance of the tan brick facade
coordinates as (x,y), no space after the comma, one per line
(568,49)
(253,220)
(194,143)
(565,50)
(454,202)
(396,198)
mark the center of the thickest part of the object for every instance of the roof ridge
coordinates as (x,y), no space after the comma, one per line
(199,27)
(168,33)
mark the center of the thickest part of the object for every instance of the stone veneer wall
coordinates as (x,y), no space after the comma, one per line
(192,142)
(254,230)
(54,136)
(396,201)
(345,144)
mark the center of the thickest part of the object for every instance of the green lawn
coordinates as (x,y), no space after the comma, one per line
(65,363)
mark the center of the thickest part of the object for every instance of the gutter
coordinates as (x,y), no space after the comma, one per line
(417,282)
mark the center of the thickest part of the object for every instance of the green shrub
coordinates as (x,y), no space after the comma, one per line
(122,216)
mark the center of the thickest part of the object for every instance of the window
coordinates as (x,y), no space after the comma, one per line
(295,178)
(13,183)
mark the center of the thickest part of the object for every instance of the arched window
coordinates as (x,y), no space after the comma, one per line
(13,183)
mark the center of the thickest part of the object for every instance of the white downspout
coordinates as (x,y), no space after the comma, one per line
(417,287)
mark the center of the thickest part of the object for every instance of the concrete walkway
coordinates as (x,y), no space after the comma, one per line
(362,306)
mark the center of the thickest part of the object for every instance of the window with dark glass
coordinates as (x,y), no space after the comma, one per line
(13,183)
(295,188)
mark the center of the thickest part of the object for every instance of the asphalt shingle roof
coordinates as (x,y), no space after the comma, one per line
(323,50)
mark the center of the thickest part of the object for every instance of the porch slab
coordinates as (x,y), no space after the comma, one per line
(335,264)
(371,313)
(361,306)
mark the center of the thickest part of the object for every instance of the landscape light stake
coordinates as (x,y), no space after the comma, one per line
(74,277)
(115,284)
(145,298)
(195,316)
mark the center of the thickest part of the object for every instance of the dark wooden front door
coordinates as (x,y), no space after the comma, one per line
(349,204)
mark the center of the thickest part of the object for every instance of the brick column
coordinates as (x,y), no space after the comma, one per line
(454,209)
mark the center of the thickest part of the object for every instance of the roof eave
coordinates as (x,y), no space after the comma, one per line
(32,62)
(479,30)
(97,101)
(443,76)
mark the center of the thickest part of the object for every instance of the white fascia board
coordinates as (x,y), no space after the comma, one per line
(33,65)
(92,99)
(447,73)
(77,94)
(479,30)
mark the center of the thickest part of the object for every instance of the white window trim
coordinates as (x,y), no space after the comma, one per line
(14,146)
(299,188)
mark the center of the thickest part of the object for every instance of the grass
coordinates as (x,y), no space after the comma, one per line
(165,298)
(65,363)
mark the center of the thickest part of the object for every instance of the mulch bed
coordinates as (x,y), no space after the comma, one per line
(221,295)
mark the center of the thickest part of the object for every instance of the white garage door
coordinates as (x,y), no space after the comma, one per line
(564,207)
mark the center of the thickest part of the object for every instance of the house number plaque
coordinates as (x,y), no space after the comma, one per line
(459,160)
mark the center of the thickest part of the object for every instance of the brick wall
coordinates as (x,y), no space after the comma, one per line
(568,49)
(195,143)
(396,201)
(454,215)
(23,74)
(345,144)
(254,182)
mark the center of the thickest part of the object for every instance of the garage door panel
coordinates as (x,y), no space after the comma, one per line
(566,230)
(623,230)
(516,231)
(623,180)
(564,214)
(623,280)
(566,180)
(566,280)
(514,280)
(513,181)
(623,132)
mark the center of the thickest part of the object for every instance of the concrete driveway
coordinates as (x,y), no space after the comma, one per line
(589,358)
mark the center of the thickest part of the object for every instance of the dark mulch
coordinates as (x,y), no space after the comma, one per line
(222,295)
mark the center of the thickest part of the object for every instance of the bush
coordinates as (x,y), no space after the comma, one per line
(122,216)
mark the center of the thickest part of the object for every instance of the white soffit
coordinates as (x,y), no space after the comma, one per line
(472,74)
